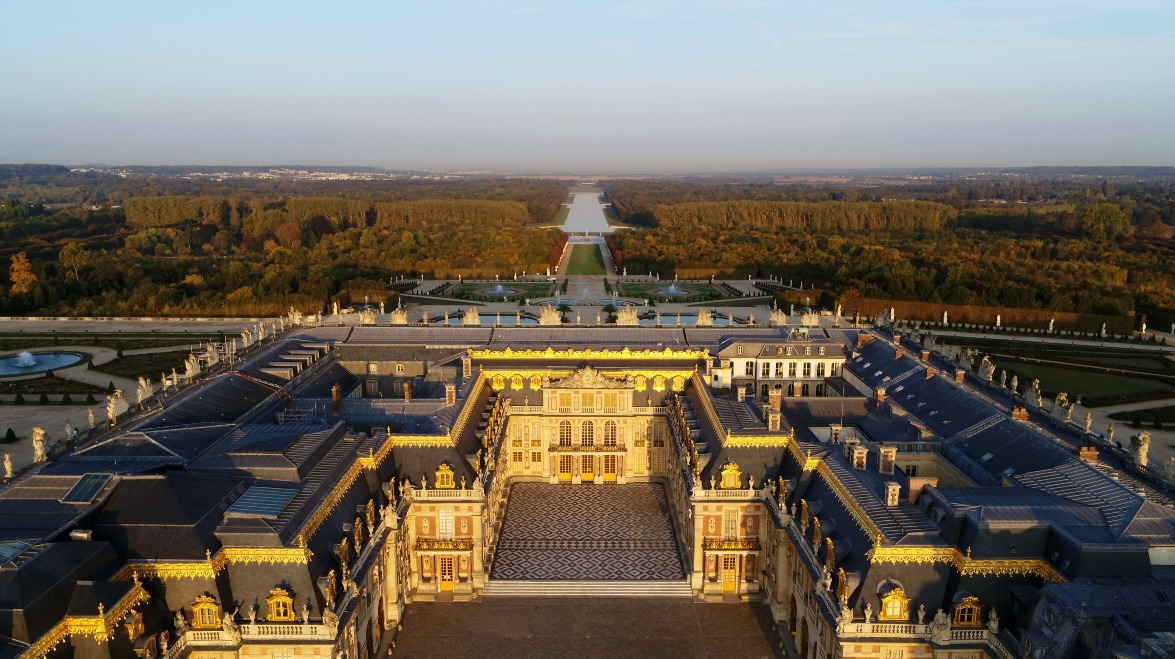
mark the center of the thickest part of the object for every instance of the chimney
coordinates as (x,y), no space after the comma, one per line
(897,352)
(1019,413)
(407,391)
(336,397)
(893,493)
(925,355)
(1088,453)
(860,457)
(916,484)
(930,372)
(850,445)
(81,535)
(897,339)
(466,366)
(879,395)
(863,338)
(960,375)
(775,398)
(773,419)
(740,394)
(450,394)
(889,455)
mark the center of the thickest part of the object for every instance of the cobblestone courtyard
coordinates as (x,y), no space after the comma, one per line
(586,627)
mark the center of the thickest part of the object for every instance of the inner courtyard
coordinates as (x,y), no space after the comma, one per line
(587,532)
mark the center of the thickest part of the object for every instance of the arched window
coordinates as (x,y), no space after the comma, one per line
(281,606)
(445,476)
(564,433)
(807,369)
(791,369)
(609,433)
(894,603)
(399,368)
(967,612)
(587,433)
(205,613)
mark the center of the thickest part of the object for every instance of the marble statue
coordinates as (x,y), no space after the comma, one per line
(921,614)
(986,369)
(144,390)
(578,320)
(7,466)
(1069,413)
(1015,383)
(777,318)
(945,318)
(868,612)
(90,416)
(998,321)
(1143,332)
(1103,334)
(993,621)
(39,444)
(1169,472)
(115,405)
(381,308)
(331,621)
(940,628)
(471,317)
(305,613)
(1110,433)
(181,623)
(68,430)
(335,306)
(750,319)
(846,615)
(1140,445)
(1003,378)
(253,615)
(163,643)
(1088,422)
(1051,322)
(838,311)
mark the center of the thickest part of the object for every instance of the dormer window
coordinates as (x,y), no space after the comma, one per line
(894,605)
(732,477)
(444,477)
(790,351)
(967,612)
(399,368)
(738,350)
(205,613)
(807,351)
(281,606)
(821,351)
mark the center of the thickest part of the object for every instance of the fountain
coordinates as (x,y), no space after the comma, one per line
(25,363)
(673,290)
(499,290)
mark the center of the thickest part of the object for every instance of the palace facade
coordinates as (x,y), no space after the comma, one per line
(292,503)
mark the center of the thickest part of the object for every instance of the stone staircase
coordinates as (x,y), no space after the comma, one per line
(527,588)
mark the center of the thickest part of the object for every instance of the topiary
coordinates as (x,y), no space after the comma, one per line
(66,400)
(110,387)
(43,400)
(19,399)
(90,399)
(10,436)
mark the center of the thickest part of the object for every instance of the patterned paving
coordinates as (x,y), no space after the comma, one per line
(587,533)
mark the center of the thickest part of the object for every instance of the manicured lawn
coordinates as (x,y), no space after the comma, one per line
(478,290)
(1096,389)
(692,290)
(150,364)
(585,260)
(561,216)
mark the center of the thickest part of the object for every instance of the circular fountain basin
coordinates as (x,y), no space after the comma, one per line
(42,361)
(497,291)
(672,292)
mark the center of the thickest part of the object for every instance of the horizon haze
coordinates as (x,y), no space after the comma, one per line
(614,87)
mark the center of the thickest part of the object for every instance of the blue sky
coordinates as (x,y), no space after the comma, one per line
(570,86)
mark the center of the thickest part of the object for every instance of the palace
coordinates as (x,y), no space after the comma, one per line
(295,497)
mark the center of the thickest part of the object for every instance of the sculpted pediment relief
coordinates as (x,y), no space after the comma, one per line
(587,378)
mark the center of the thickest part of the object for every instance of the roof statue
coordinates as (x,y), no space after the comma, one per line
(778,318)
(588,378)
(471,317)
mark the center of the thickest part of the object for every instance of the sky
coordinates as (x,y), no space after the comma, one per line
(594,86)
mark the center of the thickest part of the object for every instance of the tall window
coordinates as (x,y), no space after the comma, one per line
(564,433)
(791,369)
(820,370)
(445,524)
(609,433)
(778,369)
(807,369)
(750,370)
(587,402)
(205,612)
(565,402)
(766,370)
(587,433)
(730,524)
(610,402)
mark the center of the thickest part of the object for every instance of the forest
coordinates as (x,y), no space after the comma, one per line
(1093,247)
(259,253)
(95,243)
